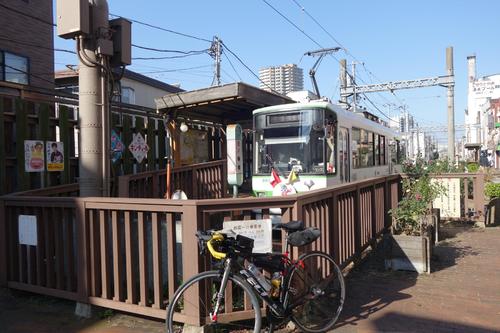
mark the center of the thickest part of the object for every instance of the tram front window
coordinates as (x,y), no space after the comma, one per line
(300,148)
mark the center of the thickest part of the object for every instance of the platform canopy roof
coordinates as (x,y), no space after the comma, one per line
(230,103)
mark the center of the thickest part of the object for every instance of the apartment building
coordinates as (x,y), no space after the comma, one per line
(27,42)
(282,79)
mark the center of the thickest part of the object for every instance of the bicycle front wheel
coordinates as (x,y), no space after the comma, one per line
(239,310)
(316,292)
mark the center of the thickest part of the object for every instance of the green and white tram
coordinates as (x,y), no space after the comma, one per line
(322,144)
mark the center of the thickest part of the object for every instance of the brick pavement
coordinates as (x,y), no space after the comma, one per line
(461,295)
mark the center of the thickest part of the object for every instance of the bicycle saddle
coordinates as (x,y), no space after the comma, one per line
(291,226)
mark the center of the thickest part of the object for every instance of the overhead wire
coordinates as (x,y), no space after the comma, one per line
(163,29)
(246,66)
(346,50)
(168,51)
(27,15)
(232,66)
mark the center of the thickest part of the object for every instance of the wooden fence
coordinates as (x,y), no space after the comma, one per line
(51,115)
(198,181)
(131,254)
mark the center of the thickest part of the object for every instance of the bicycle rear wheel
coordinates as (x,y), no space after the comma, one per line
(316,293)
(242,303)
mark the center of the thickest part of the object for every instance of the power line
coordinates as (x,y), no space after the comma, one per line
(248,68)
(37,45)
(291,22)
(345,49)
(176,70)
(29,74)
(234,69)
(27,15)
(163,29)
(167,51)
(168,57)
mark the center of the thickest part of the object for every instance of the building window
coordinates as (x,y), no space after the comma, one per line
(14,68)
(128,95)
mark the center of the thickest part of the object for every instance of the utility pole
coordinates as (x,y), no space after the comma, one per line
(98,46)
(343,80)
(216,53)
(451,106)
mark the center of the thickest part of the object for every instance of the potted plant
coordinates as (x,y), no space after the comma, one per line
(409,246)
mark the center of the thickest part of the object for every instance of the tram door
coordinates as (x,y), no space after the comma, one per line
(344,143)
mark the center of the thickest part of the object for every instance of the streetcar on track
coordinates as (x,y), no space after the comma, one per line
(317,144)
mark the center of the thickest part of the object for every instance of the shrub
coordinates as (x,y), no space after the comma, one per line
(492,190)
(418,194)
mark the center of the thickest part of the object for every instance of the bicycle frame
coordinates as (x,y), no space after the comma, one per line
(276,306)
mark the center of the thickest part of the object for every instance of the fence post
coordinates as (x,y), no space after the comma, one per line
(336,228)
(357,222)
(373,203)
(3,177)
(387,198)
(194,182)
(3,245)
(123,186)
(81,252)
(479,201)
(191,260)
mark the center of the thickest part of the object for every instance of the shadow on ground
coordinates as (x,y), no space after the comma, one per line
(370,288)
(397,322)
(23,312)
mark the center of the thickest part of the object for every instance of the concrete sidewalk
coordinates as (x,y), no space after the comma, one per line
(461,295)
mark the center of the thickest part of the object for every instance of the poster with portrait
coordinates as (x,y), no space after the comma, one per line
(34,157)
(55,156)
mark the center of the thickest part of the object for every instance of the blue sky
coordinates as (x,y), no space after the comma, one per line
(397,40)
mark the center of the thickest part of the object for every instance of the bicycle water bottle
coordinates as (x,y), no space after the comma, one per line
(260,278)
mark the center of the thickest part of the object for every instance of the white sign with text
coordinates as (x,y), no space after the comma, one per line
(27,230)
(259,230)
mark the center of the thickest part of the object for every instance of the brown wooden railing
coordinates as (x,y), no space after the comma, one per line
(198,181)
(67,190)
(125,254)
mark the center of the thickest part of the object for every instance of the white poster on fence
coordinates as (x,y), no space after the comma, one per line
(449,202)
(259,230)
(27,230)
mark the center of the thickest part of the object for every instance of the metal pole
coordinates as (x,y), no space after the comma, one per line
(353,83)
(451,106)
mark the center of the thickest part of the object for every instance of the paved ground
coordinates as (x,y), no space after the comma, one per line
(461,295)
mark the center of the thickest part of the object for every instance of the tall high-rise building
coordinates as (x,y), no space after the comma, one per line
(282,79)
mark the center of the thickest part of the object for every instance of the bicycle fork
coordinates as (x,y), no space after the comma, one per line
(222,289)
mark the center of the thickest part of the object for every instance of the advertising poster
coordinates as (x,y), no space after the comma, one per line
(139,148)
(117,147)
(55,156)
(34,157)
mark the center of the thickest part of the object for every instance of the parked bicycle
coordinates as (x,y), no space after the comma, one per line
(310,291)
